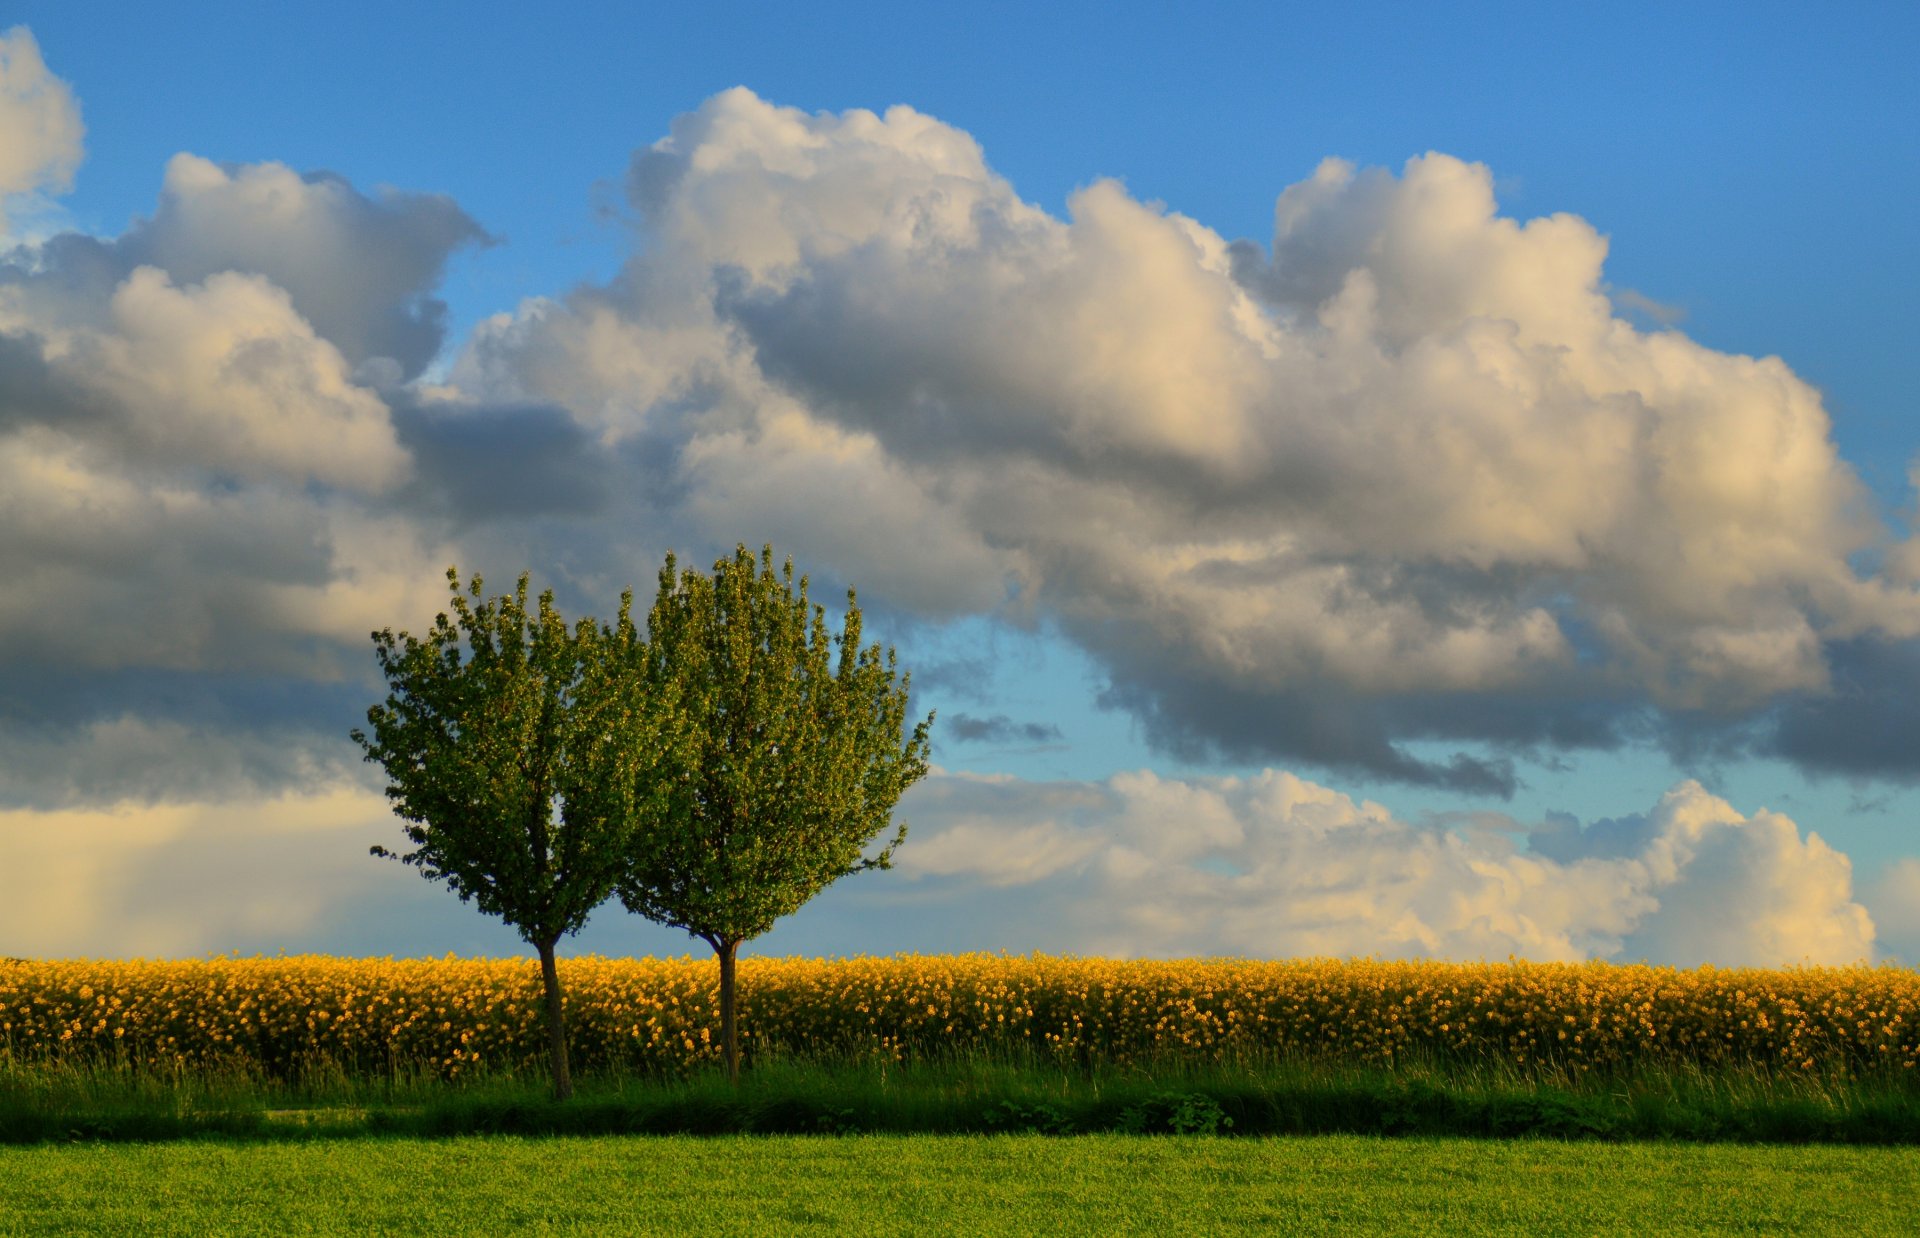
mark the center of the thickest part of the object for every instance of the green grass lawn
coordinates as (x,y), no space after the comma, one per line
(1011,1184)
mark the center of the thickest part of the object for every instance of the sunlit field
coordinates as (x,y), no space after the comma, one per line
(284,1016)
(289,1047)
(920,1184)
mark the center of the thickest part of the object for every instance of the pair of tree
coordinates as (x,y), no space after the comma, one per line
(714,773)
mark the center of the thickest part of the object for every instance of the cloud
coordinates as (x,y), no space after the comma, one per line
(215,479)
(1402,475)
(1399,479)
(40,129)
(1657,312)
(177,740)
(1894,898)
(359,268)
(237,869)
(180,880)
(999,729)
(1275,866)
(1270,865)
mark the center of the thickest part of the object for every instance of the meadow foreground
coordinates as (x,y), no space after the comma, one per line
(1016,1184)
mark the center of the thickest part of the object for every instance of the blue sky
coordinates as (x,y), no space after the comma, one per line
(1750,168)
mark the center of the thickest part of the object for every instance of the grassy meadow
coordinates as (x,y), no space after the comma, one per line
(1009,1184)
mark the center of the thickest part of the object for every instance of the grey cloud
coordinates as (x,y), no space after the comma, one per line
(1200,720)
(1564,839)
(361,269)
(190,479)
(1867,725)
(1657,312)
(965,677)
(1323,229)
(479,463)
(999,729)
(73,737)
(29,389)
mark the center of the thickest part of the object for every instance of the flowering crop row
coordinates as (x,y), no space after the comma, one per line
(453,1016)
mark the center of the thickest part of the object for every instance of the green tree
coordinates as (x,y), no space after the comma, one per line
(789,764)
(520,766)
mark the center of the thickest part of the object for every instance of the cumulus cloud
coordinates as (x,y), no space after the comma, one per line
(1275,866)
(360,269)
(40,129)
(1402,474)
(215,475)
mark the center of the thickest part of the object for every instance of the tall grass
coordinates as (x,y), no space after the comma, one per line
(973,1093)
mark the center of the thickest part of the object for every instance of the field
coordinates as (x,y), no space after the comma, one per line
(322,1095)
(976,1044)
(456,1018)
(996,1184)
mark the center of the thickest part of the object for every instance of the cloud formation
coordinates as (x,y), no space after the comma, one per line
(1894,900)
(213,482)
(40,129)
(1136,865)
(1402,475)
(1000,729)
(1274,866)
(360,269)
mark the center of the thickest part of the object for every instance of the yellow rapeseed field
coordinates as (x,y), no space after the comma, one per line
(451,1016)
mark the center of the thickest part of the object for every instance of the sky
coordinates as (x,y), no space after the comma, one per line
(1394,480)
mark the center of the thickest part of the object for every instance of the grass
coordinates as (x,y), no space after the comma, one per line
(1006,1184)
(974,1095)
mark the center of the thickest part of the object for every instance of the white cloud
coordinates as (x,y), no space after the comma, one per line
(40,129)
(1894,898)
(1402,475)
(225,376)
(1275,866)
(206,498)
(1406,475)
(1268,866)
(359,268)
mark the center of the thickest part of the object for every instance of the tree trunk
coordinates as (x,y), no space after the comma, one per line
(729,1011)
(556,1024)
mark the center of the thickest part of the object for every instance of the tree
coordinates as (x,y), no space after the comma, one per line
(519,766)
(787,767)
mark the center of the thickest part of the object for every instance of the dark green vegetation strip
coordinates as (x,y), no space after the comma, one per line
(977,1096)
(954,1184)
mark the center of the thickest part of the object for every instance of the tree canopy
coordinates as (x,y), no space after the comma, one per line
(522,767)
(790,757)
